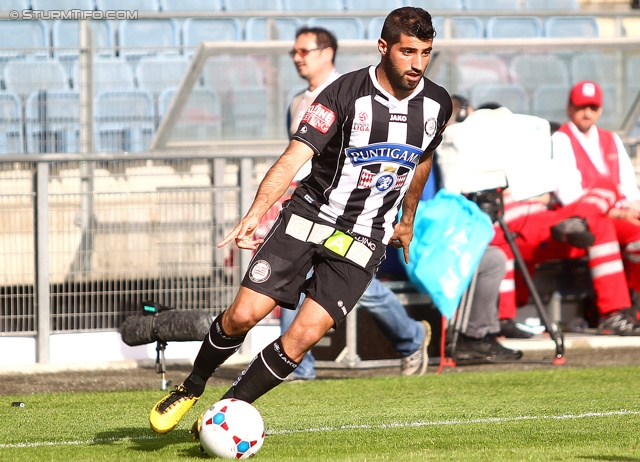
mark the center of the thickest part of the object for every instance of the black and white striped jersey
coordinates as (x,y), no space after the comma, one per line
(367,145)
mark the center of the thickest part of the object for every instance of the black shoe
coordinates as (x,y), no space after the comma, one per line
(574,231)
(623,322)
(471,351)
(483,350)
(509,329)
(501,353)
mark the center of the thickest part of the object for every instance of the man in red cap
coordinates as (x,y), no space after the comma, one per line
(593,166)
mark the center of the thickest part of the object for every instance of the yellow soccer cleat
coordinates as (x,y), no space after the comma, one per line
(167,412)
(196,427)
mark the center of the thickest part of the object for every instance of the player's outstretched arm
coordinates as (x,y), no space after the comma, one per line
(272,187)
(403,231)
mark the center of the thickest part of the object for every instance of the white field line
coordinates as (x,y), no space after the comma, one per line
(421,423)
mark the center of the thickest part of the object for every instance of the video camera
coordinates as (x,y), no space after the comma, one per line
(494,149)
(162,324)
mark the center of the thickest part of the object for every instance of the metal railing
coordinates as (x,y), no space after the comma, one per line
(149,231)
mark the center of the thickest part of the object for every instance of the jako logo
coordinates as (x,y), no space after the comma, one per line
(398,118)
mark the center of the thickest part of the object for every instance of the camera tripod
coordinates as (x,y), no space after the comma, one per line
(491,202)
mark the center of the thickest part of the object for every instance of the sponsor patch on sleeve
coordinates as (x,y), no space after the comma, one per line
(319,117)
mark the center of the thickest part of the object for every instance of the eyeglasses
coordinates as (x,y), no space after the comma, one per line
(303,52)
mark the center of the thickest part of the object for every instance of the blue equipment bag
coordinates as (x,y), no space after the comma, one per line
(450,235)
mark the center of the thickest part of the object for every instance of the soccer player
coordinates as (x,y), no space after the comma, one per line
(313,55)
(371,136)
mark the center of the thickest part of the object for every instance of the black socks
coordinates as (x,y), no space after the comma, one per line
(267,370)
(215,350)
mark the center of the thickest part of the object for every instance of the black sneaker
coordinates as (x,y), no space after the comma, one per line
(484,350)
(501,353)
(472,350)
(574,231)
(509,329)
(622,322)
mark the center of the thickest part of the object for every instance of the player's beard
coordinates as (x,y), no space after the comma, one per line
(396,77)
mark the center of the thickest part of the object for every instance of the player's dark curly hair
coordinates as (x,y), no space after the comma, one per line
(409,20)
(324,38)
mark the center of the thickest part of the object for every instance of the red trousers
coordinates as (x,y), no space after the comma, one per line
(533,239)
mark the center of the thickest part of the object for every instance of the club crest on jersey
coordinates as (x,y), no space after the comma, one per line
(385,182)
(260,271)
(399,154)
(382,181)
(431,127)
(319,117)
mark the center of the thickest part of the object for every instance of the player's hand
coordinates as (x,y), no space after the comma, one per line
(402,236)
(243,235)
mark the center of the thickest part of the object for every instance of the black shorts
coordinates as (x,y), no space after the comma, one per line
(344,263)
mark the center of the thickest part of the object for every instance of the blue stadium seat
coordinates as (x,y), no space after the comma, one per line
(25,76)
(196,30)
(123,121)
(594,65)
(571,26)
(313,5)
(108,74)
(190,5)
(128,5)
(373,5)
(462,27)
(492,4)
(468,27)
(550,102)
(374,27)
(153,35)
(25,37)
(64,5)
(201,118)
(284,29)
(437,5)
(10,124)
(53,122)
(514,27)
(551,5)
(253,5)
(533,70)
(511,96)
(65,38)
(156,73)
(344,28)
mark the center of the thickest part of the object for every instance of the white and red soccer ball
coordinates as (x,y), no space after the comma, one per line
(232,429)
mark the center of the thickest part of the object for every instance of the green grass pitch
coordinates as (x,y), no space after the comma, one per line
(560,415)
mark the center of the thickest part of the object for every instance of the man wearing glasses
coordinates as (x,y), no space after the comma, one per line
(313,54)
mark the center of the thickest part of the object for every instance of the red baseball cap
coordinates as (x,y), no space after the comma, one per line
(586,93)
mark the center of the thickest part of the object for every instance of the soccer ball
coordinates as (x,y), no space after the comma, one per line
(232,429)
